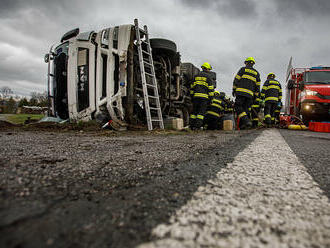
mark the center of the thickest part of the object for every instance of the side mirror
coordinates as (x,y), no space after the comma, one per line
(46,58)
(301,86)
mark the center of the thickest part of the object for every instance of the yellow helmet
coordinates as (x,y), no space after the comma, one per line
(248,59)
(217,92)
(271,74)
(206,66)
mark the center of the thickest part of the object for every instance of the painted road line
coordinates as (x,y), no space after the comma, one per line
(265,198)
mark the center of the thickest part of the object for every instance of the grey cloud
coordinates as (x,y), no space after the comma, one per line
(36,24)
(303,8)
(234,8)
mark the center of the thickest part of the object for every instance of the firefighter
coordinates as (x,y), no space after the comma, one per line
(277,112)
(272,94)
(246,88)
(255,109)
(202,90)
(229,105)
(214,112)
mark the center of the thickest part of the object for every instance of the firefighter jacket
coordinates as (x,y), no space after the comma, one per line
(271,91)
(229,106)
(217,106)
(202,87)
(247,83)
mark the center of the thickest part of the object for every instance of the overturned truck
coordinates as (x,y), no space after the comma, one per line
(97,75)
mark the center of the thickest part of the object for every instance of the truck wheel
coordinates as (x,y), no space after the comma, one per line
(163,44)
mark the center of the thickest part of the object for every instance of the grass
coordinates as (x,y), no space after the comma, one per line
(20,118)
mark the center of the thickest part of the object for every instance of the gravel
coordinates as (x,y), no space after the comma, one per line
(78,189)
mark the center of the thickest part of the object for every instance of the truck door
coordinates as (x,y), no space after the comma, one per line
(81,80)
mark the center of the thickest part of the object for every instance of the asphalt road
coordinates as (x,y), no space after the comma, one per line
(205,189)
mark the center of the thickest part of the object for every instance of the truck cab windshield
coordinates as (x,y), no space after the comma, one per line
(317,77)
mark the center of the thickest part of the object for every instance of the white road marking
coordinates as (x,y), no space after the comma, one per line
(265,198)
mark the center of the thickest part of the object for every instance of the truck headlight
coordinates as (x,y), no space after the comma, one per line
(310,93)
(307,107)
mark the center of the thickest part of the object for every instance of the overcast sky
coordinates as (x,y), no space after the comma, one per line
(221,32)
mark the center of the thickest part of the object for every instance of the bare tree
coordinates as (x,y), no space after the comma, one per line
(5,91)
(38,98)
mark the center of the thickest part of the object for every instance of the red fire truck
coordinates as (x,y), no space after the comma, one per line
(308,93)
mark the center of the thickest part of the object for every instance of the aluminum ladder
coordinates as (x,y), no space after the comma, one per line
(148,77)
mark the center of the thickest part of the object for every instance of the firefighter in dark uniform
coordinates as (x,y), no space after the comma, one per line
(277,112)
(214,112)
(272,94)
(255,109)
(201,91)
(229,105)
(246,88)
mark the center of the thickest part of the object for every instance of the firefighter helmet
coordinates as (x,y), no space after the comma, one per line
(271,74)
(250,59)
(207,66)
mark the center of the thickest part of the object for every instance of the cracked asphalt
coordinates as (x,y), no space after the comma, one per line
(81,189)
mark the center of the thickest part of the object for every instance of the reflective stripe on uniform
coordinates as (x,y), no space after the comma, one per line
(193,116)
(273,87)
(255,106)
(216,100)
(271,98)
(255,119)
(217,106)
(211,87)
(273,82)
(245,90)
(201,95)
(211,93)
(191,92)
(249,77)
(267,116)
(200,83)
(201,79)
(258,83)
(280,97)
(238,77)
(200,117)
(242,114)
(251,71)
(213,113)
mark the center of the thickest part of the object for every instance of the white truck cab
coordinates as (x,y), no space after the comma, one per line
(96,75)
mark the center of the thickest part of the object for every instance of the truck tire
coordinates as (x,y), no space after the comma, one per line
(189,71)
(163,44)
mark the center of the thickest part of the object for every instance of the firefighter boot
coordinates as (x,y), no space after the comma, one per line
(254,124)
(245,123)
